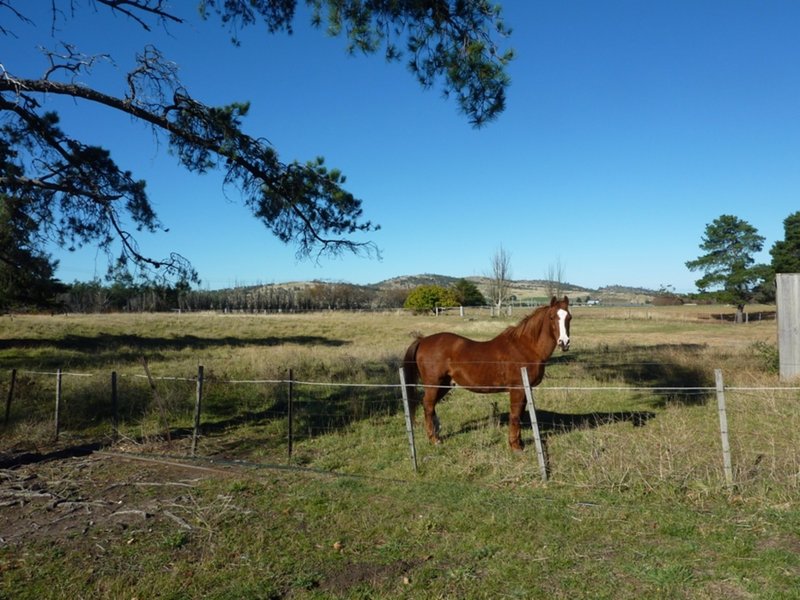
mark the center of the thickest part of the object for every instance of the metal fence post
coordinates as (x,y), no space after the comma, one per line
(197,404)
(58,403)
(114,409)
(10,395)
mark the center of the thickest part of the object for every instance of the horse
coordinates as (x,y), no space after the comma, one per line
(444,359)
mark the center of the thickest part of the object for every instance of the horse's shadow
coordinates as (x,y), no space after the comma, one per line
(554,423)
(551,422)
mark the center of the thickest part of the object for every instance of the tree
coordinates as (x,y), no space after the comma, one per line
(500,285)
(468,294)
(78,195)
(26,273)
(425,298)
(786,253)
(728,263)
(555,279)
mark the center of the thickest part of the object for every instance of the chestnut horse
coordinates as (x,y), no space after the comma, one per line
(440,360)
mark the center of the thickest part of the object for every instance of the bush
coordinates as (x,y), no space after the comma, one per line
(768,355)
(468,293)
(426,298)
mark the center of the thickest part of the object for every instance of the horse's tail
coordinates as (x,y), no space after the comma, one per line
(411,375)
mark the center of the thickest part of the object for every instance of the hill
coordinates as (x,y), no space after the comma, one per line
(527,289)
(523,290)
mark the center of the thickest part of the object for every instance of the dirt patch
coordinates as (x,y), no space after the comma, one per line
(96,497)
(785,543)
(362,573)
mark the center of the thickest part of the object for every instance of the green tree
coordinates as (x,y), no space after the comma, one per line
(122,288)
(426,298)
(80,196)
(786,252)
(87,296)
(26,273)
(729,244)
(468,294)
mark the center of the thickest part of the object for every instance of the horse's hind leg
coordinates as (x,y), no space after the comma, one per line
(517,405)
(432,396)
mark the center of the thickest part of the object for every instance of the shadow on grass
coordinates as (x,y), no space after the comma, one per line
(106,342)
(10,459)
(553,423)
(95,350)
(316,411)
(673,371)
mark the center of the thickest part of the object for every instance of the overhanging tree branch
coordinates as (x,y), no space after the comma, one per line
(79,193)
(300,203)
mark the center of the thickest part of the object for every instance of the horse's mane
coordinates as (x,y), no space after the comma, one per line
(529,326)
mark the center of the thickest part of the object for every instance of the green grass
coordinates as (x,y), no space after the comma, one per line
(636,504)
(285,534)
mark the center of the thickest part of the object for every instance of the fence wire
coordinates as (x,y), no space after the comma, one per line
(765,443)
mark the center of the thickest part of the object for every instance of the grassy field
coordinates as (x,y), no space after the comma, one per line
(636,505)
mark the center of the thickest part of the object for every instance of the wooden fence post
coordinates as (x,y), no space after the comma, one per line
(58,402)
(537,438)
(197,403)
(10,395)
(409,424)
(723,428)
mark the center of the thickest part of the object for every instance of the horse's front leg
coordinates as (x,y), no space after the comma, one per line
(517,406)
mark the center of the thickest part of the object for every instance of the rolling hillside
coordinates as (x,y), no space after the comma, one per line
(527,289)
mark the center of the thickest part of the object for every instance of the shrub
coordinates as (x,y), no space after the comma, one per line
(425,298)
(768,355)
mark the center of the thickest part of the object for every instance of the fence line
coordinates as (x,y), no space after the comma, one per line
(500,388)
(719,388)
(57,372)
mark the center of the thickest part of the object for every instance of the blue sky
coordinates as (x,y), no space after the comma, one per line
(630,126)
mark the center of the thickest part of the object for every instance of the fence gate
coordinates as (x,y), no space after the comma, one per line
(788,301)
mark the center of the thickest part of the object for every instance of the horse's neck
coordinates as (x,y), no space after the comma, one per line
(537,336)
(544,342)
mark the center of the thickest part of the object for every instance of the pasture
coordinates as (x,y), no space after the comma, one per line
(636,504)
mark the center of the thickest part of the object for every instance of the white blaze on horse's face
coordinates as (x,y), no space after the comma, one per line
(563,328)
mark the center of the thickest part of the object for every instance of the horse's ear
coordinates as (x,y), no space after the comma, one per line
(566,300)
(553,301)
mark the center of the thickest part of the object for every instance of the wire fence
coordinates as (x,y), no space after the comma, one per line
(583,440)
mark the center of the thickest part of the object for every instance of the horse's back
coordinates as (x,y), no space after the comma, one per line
(440,353)
(445,343)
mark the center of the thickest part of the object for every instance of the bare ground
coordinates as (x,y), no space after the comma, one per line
(92,496)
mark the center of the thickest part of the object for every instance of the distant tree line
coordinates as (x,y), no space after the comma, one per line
(27,281)
(97,297)
(125,295)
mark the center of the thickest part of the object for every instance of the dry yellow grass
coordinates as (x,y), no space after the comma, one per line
(623,362)
(636,504)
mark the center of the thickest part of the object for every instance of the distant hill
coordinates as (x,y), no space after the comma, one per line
(524,290)
(412,281)
(527,289)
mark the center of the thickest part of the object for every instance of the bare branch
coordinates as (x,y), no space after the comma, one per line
(152,7)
